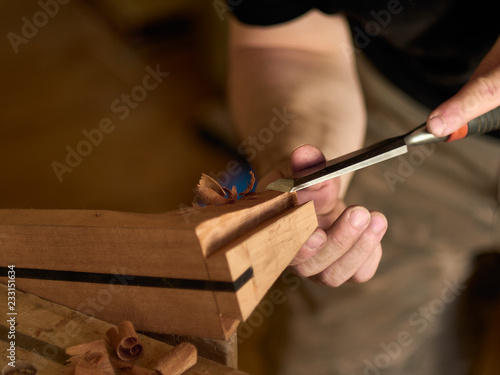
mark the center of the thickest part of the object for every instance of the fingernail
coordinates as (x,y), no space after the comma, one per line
(299,146)
(377,223)
(437,125)
(359,217)
(315,241)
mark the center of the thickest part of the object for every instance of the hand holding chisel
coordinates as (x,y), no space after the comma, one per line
(381,151)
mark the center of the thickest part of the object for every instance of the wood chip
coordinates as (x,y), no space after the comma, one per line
(210,197)
(92,358)
(89,359)
(212,194)
(124,341)
(250,185)
(210,183)
(232,194)
(178,359)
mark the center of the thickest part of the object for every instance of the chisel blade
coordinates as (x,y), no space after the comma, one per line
(351,162)
(381,151)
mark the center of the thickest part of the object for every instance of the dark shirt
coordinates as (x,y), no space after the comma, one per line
(428,48)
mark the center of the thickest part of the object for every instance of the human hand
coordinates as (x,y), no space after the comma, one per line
(346,245)
(478,96)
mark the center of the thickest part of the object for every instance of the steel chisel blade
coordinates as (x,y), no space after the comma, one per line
(351,162)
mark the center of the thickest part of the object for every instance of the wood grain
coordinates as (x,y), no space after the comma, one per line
(58,327)
(178,360)
(268,249)
(206,268)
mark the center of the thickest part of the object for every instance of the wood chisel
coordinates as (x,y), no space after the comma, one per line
(381,151)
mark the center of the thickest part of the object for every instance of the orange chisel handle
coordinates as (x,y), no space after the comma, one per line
(483,124)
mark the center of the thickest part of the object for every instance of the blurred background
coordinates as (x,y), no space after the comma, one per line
(66,66)
(119,105)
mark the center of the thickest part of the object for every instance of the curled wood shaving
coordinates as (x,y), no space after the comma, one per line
(250,185)
(209,183)
(90,358)
(232,194)
(124,341)
(210,197)
(212,194)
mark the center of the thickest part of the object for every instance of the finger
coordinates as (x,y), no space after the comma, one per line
(325,221)
(316,241)
(490,61)
(325,194)
(280,171)
(341,236)
(368,268)
(362,254)
(478,96)
(313,244)
(305,156)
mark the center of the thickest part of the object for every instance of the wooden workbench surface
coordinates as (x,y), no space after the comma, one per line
(43,329)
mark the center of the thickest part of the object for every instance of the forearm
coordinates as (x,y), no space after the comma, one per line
(316,92)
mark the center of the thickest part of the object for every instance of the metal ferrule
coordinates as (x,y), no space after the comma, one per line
(420,136)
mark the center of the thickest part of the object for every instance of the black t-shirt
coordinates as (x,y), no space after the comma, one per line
(429,48)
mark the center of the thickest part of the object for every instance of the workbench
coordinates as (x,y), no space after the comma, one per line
(44,329)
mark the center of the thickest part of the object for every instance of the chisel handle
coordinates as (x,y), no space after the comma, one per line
(483,124)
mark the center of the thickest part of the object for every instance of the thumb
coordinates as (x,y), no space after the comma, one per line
(478,96)
(302,157)
(324,194)
(305,156)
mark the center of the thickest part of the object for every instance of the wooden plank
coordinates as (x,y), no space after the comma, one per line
(172,244)
(207,267)
(189,312)
(88,241)
(57,327)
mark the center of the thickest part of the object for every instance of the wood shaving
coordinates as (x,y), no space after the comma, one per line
(210,197)
(177,360)
(232,194)
(250,185)
(212,194)
(124,341)
(89,359)
(92,358)
(209,183)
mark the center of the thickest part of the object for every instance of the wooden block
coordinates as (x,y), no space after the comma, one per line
(224,352)
(266,249)
(178,360)
(206,269)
